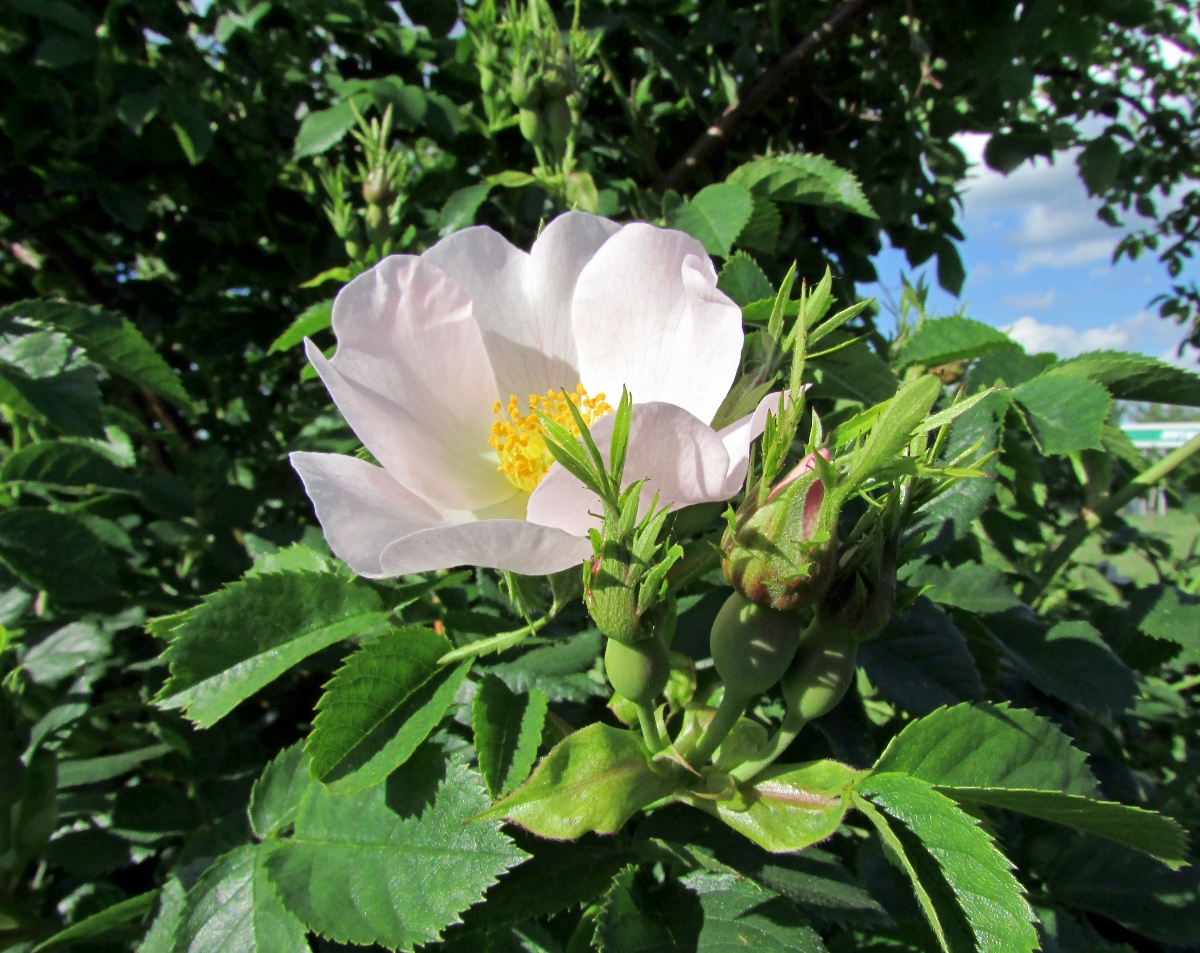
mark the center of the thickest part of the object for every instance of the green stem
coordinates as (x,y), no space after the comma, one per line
(1186,684)
(728,712)
(495,643)
(792,725)
(1083,525)
(650,733)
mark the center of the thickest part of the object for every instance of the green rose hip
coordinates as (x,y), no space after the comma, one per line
(638,670)
(752,645)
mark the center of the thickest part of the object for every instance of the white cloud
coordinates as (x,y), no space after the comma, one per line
(1067,256)
(987,190)
(1041,209)
(1144,332)
(1046,223)
(1064,341)
(1031,300)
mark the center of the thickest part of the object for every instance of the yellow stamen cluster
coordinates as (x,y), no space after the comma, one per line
(518,437)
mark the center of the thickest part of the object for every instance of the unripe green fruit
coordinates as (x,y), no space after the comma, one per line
(820,675)
(519,89)
(638,671)
(752,646)
(487,81)
(533,125)
(558,123)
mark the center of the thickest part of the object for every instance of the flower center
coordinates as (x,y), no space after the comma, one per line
(518,437)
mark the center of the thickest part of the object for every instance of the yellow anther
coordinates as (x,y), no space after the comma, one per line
(518,437)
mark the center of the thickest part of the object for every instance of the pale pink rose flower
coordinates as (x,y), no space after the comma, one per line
(434,349)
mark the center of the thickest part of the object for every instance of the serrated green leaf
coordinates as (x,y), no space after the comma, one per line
(822,887)
(1167,612)
(630,920)
(394,864)
(294,558)
(970,586)
(559,670)
(853,372)
(160,938)
(921,660)
(557,876)
(741,915)
(943,340)
(715,216)
(806,179)
(979,876)
(934,897)
(460,209)
(234,906)
(762,231)
(312,319)
(508,729)
(100,923)
(788,807)
(814,879)
(988,746)
(323,129)
(1134,890)
(57,553)
(1070,661)
(743,280)
(380,706)
(60,463)
(1134,377)
(1144,831)
(593,780)
(80,771)
(276,794)
(1064,412)
(965,501)
(246,635)
(110,339)
(46,378)
(1099,162)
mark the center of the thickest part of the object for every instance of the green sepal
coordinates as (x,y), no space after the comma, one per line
(894,428)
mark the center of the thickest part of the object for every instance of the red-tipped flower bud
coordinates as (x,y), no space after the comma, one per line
(783,554)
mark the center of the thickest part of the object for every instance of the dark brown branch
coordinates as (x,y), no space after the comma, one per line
(768,85)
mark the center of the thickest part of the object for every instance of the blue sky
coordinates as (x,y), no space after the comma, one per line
(1039,265)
